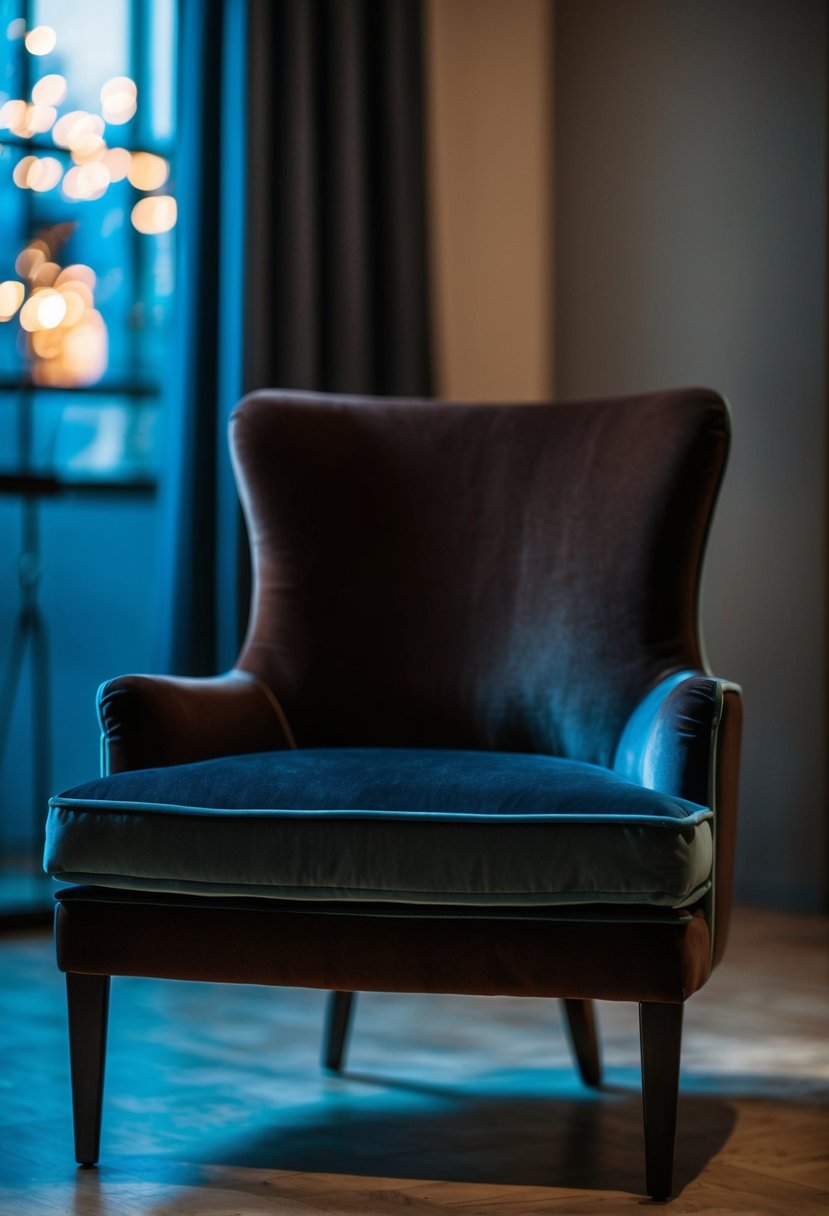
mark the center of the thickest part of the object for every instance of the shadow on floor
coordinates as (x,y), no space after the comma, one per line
(564,1138)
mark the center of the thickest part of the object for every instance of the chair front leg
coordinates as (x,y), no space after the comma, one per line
(660,1036)
(88,1003)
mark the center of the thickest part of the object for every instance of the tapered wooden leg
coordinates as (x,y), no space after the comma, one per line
(88,1001)
(580,1019)
(660,1035)
(337,1022)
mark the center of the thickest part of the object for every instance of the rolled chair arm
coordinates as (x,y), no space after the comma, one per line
(683,738)
(152,721)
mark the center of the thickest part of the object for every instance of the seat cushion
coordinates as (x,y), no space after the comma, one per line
(413,826)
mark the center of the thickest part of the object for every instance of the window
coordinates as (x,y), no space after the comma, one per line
(87,211)
(87,271)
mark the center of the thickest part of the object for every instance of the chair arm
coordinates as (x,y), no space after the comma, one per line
(683,738)
(152,721)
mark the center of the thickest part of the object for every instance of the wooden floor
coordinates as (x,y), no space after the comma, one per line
(216,1104)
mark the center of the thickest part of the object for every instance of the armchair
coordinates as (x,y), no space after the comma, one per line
(469,745)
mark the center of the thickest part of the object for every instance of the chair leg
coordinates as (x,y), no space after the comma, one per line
(580,1020)
(660,1035)
(88,1002)
(337,1024)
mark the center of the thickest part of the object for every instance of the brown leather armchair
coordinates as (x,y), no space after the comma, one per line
(469,745)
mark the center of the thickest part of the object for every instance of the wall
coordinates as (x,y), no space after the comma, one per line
(691,248)
(489,102)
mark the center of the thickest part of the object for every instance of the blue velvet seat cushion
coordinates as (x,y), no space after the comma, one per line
(414,826)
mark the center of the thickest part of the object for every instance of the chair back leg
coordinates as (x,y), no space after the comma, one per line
(337,1025)
(88,1003)
(580,1020)
(660,1036)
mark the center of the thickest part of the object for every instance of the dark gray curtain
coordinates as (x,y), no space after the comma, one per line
(301,258)
(336,202)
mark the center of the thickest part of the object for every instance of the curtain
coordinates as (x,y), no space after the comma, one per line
(301,259)
(337,196)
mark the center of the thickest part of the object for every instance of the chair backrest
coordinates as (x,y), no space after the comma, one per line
(509,577)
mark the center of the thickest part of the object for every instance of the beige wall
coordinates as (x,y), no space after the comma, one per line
(691,248)
(489,101)
(690,147)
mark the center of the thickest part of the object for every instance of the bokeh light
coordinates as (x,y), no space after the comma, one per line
(45,275)
(73,129)
(24,120)
(40,119)
(49,90)
(41,40)
(66,336)
(13,114)
(118,85)
(78,273)
(49,173)
(117,161)
(30,259)
(76,305)
(11,297)
(119,100)
(37,173)
(148,171)
(88,147)
(28,315)
(47,343)
(155,214)
(20,176)
(78,355)
(86,182)
(51,308)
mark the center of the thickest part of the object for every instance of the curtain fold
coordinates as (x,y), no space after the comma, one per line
(301,258)
(337,196)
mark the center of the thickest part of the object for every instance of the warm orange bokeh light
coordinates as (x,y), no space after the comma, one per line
(119,84)
(66,335)
(47,343)
(37,173)
(49,90)
(76,127)
(78,273)
(76,305)
(29,260)
(13,114)
(80,356)
(51,308)
(11,297)
(155,214)
(119,109)
(87,148)
(86,182)
(41,40)
(28,315)
(148,171)
(45,275)
(117,161)
(40,119)
(20,175)
(119,100)
(24,120)
(46,176)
